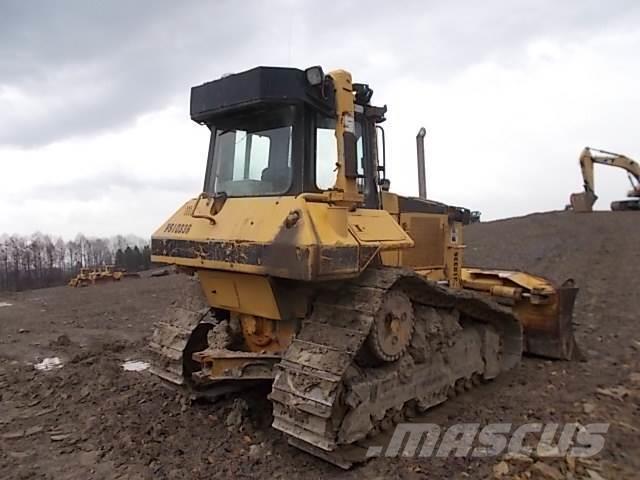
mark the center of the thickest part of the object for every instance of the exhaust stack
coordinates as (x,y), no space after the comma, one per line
(422,179)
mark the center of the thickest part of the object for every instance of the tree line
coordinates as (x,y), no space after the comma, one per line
(40,260)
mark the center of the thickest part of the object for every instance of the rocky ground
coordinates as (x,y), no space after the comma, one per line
(92,419)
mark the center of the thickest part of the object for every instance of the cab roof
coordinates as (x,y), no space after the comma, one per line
(258,86)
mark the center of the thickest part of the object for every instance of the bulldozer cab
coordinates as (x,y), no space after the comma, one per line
(287,143)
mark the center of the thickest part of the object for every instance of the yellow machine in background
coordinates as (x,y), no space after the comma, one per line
(92,275)
(583,201)
(307,272)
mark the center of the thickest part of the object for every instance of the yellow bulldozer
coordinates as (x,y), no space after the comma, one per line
(309,273)
(583,201)
(93,275)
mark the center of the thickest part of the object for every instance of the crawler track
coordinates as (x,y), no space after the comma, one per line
(180,327)
(328,403)
(328,398)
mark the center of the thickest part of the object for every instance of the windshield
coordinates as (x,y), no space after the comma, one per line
(252,153)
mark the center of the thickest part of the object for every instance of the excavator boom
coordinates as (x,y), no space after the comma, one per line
(583,201)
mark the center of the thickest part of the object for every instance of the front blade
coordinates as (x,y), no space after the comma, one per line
(548,329)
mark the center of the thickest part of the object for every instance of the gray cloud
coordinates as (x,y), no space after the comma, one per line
(76,69)
(432,39)
(94,66)
(110,184)
(83,67)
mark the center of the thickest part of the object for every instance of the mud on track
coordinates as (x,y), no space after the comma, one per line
(91,419)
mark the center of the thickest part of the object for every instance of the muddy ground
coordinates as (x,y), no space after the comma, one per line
(92,419)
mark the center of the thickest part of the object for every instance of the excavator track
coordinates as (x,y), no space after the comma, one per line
(330,402)
(625,205)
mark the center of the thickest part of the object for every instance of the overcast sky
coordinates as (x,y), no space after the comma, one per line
(95,135)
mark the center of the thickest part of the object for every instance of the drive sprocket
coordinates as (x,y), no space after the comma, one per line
(392,328)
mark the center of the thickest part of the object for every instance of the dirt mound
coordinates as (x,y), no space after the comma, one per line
(599,250)
(558,244)
(92,419)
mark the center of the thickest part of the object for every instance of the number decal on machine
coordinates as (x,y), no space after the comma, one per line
(180,228)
